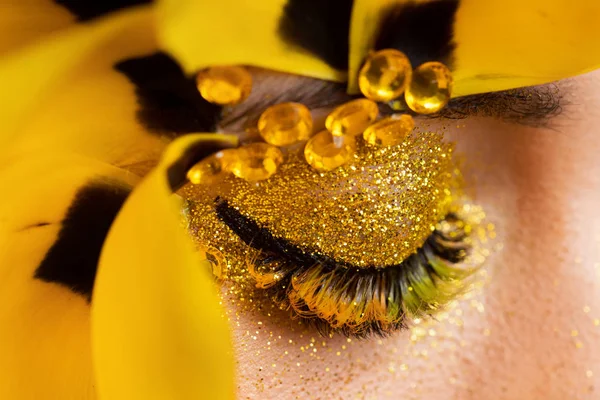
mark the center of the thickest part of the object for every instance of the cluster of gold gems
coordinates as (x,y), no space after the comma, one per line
(385,76)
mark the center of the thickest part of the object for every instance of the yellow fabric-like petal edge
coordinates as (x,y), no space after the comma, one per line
(45,349)
(200,34)
(32,73)
(501,44)
(504,44)
(157,326)
(92,108)
(24,21)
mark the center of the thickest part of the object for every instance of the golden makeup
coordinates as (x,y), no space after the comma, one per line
(354,237)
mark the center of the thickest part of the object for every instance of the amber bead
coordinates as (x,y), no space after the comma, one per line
(256,161)
(352,118)
(385,75)
(390,131)
(217,262)
(224,85)
(430,88)
(211,169)
(286,123)
(325,152)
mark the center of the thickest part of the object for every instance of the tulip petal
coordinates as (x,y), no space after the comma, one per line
(201,34)
(65,94)
(490,45)
(157,326)
(54,216)
(90,9)
(24,21)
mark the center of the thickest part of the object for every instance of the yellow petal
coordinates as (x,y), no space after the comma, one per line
(24,21)
(64,93)
(44,325)
(508,44)
(157,326)
(499,44)
(204,33)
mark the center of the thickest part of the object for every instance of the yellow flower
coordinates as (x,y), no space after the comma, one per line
(83,190)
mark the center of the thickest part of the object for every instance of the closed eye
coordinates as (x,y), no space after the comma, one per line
(336,296)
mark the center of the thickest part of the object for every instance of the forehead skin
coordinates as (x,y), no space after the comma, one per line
(532,335)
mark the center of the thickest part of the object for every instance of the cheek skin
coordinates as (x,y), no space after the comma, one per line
(543,188)
(534,330)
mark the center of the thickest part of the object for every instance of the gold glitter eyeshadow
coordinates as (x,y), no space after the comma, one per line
(372,212)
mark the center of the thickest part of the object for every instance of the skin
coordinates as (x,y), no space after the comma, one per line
(528,334)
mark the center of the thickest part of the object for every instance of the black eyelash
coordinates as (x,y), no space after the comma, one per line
(318,288)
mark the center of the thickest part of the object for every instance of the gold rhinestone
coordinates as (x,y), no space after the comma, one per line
(286,123)
(217,261)
(390,131)
(352,118)
(212,169)
(385,75)
(325,152)
(430,88)
(256,161)
(226,85)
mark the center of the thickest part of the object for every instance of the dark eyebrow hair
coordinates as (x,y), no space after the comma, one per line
(534,106)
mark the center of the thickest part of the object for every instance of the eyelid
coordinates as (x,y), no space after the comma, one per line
(355,301)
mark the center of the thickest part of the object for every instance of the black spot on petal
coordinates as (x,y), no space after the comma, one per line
(422,31)
(169,101)
(90,9)
(35,225)
(73,259)
(321,27)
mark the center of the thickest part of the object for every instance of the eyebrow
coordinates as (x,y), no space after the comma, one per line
(533,106)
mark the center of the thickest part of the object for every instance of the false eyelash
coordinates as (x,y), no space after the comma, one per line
(357,302)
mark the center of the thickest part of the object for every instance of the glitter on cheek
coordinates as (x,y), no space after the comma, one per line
(302,359)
